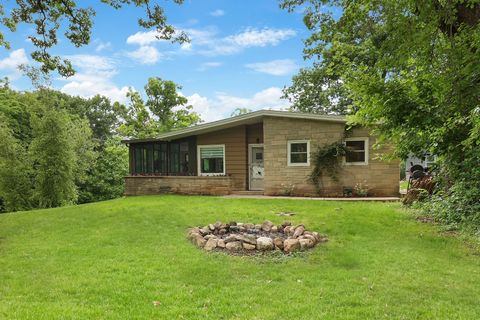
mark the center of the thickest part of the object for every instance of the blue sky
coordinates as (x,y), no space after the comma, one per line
(242,54)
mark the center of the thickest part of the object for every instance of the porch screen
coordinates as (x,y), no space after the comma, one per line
(211,160)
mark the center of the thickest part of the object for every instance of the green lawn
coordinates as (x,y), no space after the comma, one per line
(111,260)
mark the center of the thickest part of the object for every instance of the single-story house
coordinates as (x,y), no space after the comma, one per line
(263,152)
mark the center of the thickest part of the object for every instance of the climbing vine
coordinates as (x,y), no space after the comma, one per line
(326,161)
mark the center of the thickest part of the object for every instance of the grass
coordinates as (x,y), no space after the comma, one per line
(111,260)
(403,184)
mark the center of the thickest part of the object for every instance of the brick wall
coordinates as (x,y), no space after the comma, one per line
(381,177)
(138,185)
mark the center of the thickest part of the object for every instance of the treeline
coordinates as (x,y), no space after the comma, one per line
(58,149)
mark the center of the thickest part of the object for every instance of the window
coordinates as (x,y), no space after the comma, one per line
(357,151)
(211,160)
(299,153)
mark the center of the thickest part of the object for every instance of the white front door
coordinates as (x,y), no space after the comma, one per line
(255,166)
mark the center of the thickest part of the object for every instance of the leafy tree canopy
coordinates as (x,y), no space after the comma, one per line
(165,109)
(49,17)
(409,68)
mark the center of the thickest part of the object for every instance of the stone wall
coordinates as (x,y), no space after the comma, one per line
(381,177)
(143,185)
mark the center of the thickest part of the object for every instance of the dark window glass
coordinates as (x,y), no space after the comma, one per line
(174,158)
(148,158)
(211,159)
(299,152)
(138,159)
(184,159)
(160,158)
(355,151)
(298,158)
(212,165)
(298,147)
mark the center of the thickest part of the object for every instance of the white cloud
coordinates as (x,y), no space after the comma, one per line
(143,38)
(248,38)
(94,76)
(145,55)
(217,13)
(207,42)
(103,46)
(209,65)
(222,105)
(279,67)
(10,64)
(252,37)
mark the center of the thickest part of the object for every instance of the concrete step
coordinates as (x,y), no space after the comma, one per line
(247,193)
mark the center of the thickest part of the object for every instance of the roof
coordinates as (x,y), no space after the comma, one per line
(244,119)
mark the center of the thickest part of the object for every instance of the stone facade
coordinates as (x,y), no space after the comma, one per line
(381,177)
(148,185)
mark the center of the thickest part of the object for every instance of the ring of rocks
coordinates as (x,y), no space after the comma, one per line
(246,238)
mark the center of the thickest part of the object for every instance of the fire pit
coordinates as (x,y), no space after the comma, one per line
(236,237)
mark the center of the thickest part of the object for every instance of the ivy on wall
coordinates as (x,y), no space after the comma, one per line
(326,160)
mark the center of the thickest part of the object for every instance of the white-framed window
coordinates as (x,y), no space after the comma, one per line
(211,160)
(298,153)
(357,151)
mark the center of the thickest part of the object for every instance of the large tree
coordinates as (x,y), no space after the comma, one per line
(409,69)
(49,17)
(165,109)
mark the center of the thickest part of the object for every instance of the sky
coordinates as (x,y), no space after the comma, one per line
(241,54)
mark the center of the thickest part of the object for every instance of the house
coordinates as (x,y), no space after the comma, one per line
(266,152)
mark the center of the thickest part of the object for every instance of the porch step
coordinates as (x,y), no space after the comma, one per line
(247,193)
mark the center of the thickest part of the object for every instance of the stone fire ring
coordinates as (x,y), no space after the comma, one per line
(245,238)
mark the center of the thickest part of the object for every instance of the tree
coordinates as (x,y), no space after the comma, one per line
(168,105)
(47,17)
(15,172)
(165,109)
(106,179)
(52,150)
(319,90)
(410,70)
(240,111)
(138,122)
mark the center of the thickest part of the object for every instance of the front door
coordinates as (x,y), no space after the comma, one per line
(255,166)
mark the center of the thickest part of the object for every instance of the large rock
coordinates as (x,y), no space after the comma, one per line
(232,237)
(278,243)
(288,230)
(198,240)
(291,245)
(211,244)
(286,223)
(249,226)
(265,243)
(221,243)
(305,243)
(204,231)
(267,226)
(248,246)
(248,238)
(311,237)
(234,246)
(298,231)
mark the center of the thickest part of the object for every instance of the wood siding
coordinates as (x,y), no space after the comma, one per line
(235,141)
